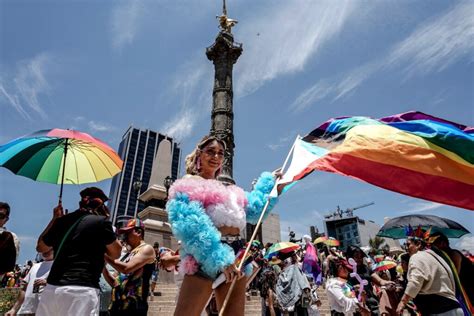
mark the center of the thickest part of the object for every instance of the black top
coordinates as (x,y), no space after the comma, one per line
(81,258)
(7,252)
(429,304)
(147,272)
(466,275)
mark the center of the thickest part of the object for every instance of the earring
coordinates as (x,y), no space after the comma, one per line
(198,163)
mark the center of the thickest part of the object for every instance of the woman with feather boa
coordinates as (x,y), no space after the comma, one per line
(207,216)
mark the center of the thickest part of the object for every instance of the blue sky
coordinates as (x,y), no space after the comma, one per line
(100,66)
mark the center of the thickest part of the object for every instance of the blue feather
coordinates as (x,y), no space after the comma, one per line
(258,197)
(199,237)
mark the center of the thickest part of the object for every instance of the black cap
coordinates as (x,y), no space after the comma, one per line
(94,192)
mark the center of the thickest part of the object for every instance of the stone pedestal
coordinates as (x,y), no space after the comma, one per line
(154,216)
(157,229)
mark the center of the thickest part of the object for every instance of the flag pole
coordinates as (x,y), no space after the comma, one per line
(254,234)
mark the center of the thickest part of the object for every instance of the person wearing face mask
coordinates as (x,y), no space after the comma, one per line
(80,240)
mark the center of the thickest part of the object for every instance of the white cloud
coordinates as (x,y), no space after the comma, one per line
(312,218)
(192,91)
(310,183)
(466,242)
(82,123)
(437,43)
(315,93)
(260,63)
(22,90)
(27,239)
(282,141)
(100,126)
(355,78)
(433,46)
(193,83)
(419,207)
(181,125)
(288,36)
(14,101)
(125,21)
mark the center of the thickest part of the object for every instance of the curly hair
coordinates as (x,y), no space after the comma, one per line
(192,158)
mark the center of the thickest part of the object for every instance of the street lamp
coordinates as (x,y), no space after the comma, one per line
(137,186)
(167,183)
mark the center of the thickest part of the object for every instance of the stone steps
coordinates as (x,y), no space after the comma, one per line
(164,304)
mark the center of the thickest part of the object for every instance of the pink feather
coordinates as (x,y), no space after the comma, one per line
(208,192)
(188,265)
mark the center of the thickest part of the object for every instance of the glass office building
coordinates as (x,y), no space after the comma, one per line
(351,231)
(137,149)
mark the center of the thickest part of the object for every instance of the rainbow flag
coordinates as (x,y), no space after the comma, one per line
(411,153)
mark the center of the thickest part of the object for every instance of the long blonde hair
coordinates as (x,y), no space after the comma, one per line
(191,162)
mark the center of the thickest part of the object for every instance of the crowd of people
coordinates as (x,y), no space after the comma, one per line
(429,279)
(83,257)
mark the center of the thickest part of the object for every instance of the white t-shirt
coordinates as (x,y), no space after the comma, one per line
(37,271)
(339,297)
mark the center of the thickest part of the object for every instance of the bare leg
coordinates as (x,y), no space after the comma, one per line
(236,304)
(193,296)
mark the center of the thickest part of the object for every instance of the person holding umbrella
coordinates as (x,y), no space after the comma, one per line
(80,240)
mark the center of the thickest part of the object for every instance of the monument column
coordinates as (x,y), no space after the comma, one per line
(224,54)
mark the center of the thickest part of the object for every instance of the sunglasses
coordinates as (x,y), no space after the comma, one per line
(212,153)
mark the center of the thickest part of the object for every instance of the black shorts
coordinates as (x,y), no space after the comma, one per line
(236,245)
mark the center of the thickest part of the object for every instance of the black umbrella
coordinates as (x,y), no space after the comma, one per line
(395,228)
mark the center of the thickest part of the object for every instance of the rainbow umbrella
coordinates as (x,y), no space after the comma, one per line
(379,258)
(60,156)
(320,240)
(332,242)
(384,265)
(396,228)
(283,247)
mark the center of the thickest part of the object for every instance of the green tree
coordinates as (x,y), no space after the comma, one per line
(376,244)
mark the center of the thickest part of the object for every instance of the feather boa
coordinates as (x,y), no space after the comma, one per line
(198,235)
(258,197)
(224,204)
(227,205)
(198,206)
(208,192)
